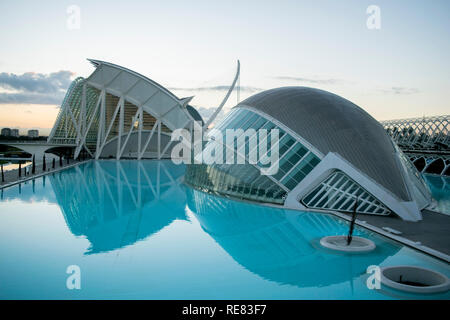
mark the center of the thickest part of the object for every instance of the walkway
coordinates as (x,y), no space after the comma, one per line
(432,231)
(12,176)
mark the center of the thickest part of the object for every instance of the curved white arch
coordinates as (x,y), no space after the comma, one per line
(115,102)
(142,92)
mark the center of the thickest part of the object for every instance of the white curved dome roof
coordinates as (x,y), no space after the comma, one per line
(334,124)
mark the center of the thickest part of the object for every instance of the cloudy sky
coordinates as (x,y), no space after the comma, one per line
(400,70)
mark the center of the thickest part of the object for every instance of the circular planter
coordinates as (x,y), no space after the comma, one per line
(339,243)
(414,279)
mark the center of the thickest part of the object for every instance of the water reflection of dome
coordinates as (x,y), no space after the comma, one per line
(278,245)
(112,203)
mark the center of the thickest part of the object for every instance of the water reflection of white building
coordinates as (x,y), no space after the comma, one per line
(116,203)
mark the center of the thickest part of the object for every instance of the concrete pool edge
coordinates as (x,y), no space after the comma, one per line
(7,185)
(430,251)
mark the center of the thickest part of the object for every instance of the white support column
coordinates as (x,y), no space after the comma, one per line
(141,122)
(159,141)
(109,127)
(83,139)
(101,126)
(119,138)
(88,151)
(166,147)
(133,120)
(75,124)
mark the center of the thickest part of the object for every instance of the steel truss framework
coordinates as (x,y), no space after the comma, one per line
(115,104)
(426,141)
(420,134)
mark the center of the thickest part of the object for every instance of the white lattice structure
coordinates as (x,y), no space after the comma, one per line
(427,133)
(431,163)
(426,142)
(339,192)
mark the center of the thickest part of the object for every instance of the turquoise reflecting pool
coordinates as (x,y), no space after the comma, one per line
(137,232)
(440,188)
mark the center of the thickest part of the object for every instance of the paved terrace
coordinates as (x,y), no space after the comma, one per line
(432,231)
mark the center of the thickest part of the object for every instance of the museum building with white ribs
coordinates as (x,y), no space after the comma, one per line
(118,113)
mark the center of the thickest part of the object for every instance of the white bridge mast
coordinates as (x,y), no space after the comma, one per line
(214,115)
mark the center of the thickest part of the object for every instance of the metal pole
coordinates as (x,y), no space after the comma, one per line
(352,223)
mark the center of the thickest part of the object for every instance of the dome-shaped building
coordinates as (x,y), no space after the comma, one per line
(331,152)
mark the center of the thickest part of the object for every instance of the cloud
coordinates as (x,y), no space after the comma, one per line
(400,90)
(34,88)
(218,88)
(31,98)
(311,80)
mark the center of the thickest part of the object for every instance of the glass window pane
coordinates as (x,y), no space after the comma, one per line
(251,119)
(285,143)
(259,123)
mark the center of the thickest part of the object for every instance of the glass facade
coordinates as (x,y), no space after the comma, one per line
(339,192)
(243,178)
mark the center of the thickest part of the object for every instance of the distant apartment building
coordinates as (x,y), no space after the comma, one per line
(33,133)
(15,133)
(6,132)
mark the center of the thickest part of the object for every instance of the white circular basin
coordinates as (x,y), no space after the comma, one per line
(414,279)
(339,243)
